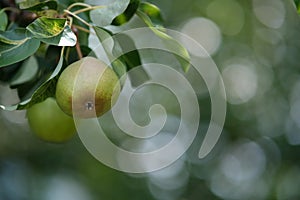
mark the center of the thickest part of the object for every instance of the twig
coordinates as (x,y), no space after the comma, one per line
(82,29)
(78,50)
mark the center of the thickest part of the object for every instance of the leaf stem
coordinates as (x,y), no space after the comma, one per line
(87,9)
(12,9)
(77,17)
(78,4)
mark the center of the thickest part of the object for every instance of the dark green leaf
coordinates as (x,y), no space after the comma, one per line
(153,12)
(3,20)
(46,90)
(170,43)
(131,55)
(6,73)
(27,71)
(66,38)
(127,14)
(16,46)
(105,15)
(297,2)
(45,27)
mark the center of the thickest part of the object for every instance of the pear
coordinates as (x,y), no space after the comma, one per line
(87,88)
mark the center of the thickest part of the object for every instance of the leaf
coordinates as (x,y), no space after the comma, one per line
(3,20)
(41,6)
(153,12)
(127,14)
(27,71)
(105,15)
(297,2)
(123,48)
(45,27)
(15,46)
(170,43)
(109,47)
(26,4)
(47,89)
(66,38)
(47,13)
(129,51)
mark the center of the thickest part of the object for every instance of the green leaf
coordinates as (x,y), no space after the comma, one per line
(66,38)
(3,20)
(46,90)
(127,14)
(111,49)
(27,72)
(170,43)
(27,4)
(297,2)
(47,13)
(40,6)
(153,12)
(45,27)
(123,48)
(16,46)
(132,57)
(105,15)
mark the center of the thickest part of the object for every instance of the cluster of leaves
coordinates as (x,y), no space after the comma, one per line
(33,53)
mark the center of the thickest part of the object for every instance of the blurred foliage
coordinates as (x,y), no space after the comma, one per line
(257,156)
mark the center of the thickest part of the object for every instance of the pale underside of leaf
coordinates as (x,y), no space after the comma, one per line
(105,15)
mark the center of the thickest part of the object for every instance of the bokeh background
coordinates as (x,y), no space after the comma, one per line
(256,46)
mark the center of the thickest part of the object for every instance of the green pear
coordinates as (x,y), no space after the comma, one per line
(87,88)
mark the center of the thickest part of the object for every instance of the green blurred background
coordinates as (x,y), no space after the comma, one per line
(256,46)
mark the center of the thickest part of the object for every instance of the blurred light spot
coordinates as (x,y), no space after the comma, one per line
(292,125)
(295,103)
(269,46)
(269,12)
(272,152)
(14,178)
(230,24)
(172,177)
(265,79)
(270,36)
(288,185)
(239,175)
(240,83)
(292,132)
(225,189)
(271,113)
(203,31)
(62,187)
(244,162)
(163,194)
(154,144)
